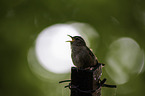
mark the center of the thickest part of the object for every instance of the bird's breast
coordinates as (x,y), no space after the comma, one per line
(81,57)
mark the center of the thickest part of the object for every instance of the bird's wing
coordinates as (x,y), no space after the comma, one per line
(91,53)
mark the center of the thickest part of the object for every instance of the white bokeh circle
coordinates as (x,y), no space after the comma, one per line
(52,50)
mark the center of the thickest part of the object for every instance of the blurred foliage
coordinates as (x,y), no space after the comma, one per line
(22,20)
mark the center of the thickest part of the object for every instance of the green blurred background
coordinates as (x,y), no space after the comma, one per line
(22,20)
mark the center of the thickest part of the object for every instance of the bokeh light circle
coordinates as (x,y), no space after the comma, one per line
(125,60)
(51,49)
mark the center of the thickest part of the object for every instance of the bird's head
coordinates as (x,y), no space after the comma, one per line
(77,41)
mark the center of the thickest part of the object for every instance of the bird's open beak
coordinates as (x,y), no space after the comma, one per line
(71,38)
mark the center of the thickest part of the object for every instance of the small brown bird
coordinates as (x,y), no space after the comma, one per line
(82,56)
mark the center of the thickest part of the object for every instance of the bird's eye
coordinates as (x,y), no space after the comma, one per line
(77,39)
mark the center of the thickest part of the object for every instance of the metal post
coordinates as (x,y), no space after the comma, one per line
(86,82)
